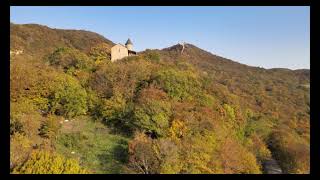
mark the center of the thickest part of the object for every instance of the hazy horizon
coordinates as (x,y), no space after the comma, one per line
(277,37)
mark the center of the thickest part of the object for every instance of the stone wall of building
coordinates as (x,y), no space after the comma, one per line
(118,52)
(129,47)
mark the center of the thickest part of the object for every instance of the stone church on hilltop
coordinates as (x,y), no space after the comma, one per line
(120,51)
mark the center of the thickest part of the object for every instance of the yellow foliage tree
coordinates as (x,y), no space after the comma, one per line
(44,162)
(177,129)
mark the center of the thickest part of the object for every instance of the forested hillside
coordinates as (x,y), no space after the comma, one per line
(74,111)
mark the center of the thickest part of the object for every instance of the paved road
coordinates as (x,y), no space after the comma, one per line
(272,167)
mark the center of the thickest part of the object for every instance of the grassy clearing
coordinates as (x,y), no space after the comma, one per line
(93,144)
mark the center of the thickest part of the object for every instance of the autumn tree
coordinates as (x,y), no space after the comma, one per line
(100,53)
(43,162)
(178,84)
(142,156)
(152,112)
(292,152)
(70,60)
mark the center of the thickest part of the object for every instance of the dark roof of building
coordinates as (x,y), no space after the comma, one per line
(132,52)
(128,42)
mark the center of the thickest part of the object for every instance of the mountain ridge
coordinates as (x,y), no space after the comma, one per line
(65,33)
(178,47)
(39,40)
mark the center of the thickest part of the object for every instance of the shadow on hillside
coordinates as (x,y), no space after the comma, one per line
(120,128)
(114,161)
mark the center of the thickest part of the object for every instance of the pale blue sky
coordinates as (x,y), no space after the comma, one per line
(269,37)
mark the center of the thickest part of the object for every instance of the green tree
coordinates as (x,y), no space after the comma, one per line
(180,85)
(70,59)
(68,98)
(152,112)
(113,108)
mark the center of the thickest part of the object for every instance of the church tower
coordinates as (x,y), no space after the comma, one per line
(129,45)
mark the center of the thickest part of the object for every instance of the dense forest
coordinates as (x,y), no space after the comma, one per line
(74,111)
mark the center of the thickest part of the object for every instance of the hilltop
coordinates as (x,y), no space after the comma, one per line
(38,40)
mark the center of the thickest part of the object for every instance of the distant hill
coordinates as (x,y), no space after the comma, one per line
(38,40)
(239,78)
(211,62)
(208,61)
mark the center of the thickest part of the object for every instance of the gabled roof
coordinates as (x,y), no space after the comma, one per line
(129,42)
(119,45)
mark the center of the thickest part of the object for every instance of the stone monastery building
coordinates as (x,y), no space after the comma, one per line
(120,51)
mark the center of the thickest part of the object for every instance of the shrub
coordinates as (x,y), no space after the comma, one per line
(43,162)
(20,147)
(24,118)
(113,108)
(177,130)
(152,56)
(93,103)
(49,128)
(205,99)
(230,112)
